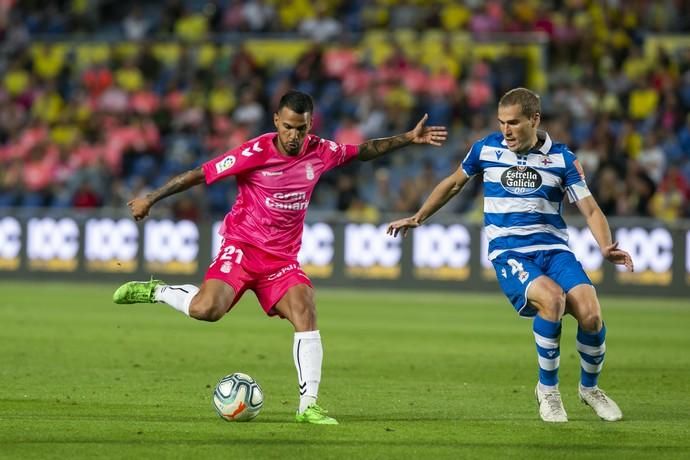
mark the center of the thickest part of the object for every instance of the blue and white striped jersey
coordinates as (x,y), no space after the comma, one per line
(523,193)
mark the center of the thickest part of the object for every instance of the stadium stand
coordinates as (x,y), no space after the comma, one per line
(101,100)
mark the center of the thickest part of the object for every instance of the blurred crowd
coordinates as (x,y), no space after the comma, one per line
(102,100)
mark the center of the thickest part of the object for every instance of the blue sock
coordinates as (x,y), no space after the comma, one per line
(547,334)
(592,347)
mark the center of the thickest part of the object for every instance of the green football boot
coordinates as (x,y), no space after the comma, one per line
(136,292)
(317,415)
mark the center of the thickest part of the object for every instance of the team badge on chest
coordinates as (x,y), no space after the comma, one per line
(310,171)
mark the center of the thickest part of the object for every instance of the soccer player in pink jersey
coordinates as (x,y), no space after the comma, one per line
(276,174)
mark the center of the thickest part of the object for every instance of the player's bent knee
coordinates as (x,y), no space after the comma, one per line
(552,312)
(556,298)
(591,321)
(206,310)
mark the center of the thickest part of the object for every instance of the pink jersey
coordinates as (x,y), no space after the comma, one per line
(274,189)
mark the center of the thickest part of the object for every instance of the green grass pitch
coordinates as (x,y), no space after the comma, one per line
(408,375)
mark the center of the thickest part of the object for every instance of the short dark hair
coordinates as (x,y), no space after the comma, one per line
(528,100)
(296,101)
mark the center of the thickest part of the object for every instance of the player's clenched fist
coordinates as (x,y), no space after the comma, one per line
(139,207)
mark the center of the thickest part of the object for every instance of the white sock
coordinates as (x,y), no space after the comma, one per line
(308,355)
(179,297)
(547,388)
(584,388)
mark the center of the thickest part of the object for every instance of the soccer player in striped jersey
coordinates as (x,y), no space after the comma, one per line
(526,176)
(276,174)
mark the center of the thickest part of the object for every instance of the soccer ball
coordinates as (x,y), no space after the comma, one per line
(238,398)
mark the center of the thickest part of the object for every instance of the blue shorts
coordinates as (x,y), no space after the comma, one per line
(516,271)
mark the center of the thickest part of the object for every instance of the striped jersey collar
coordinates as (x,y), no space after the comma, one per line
(545,139)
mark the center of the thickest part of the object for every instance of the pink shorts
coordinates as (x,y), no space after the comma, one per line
(246,267)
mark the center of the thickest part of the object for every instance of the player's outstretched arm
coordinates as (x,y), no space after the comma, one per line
(139,207)
(602,233)
(432,135)
(442,193)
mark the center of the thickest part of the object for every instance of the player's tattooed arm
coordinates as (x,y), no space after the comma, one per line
(140,206)
(177,184)
(374,148)
(432,135)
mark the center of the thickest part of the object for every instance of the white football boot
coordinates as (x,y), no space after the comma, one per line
(605,407)
(550,406)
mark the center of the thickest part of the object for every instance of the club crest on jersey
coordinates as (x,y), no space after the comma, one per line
(545,160)
(522,276)
(225,164)
(521,180)
(310,171)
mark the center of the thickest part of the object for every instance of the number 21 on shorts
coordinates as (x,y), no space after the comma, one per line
(229,254)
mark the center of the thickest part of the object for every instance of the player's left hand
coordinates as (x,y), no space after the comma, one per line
(402,226)
(434,135)
(618,256)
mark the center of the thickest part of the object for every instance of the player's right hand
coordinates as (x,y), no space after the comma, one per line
(402,226)
(139,207)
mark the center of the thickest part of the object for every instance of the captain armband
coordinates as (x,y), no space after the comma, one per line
(578,191)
